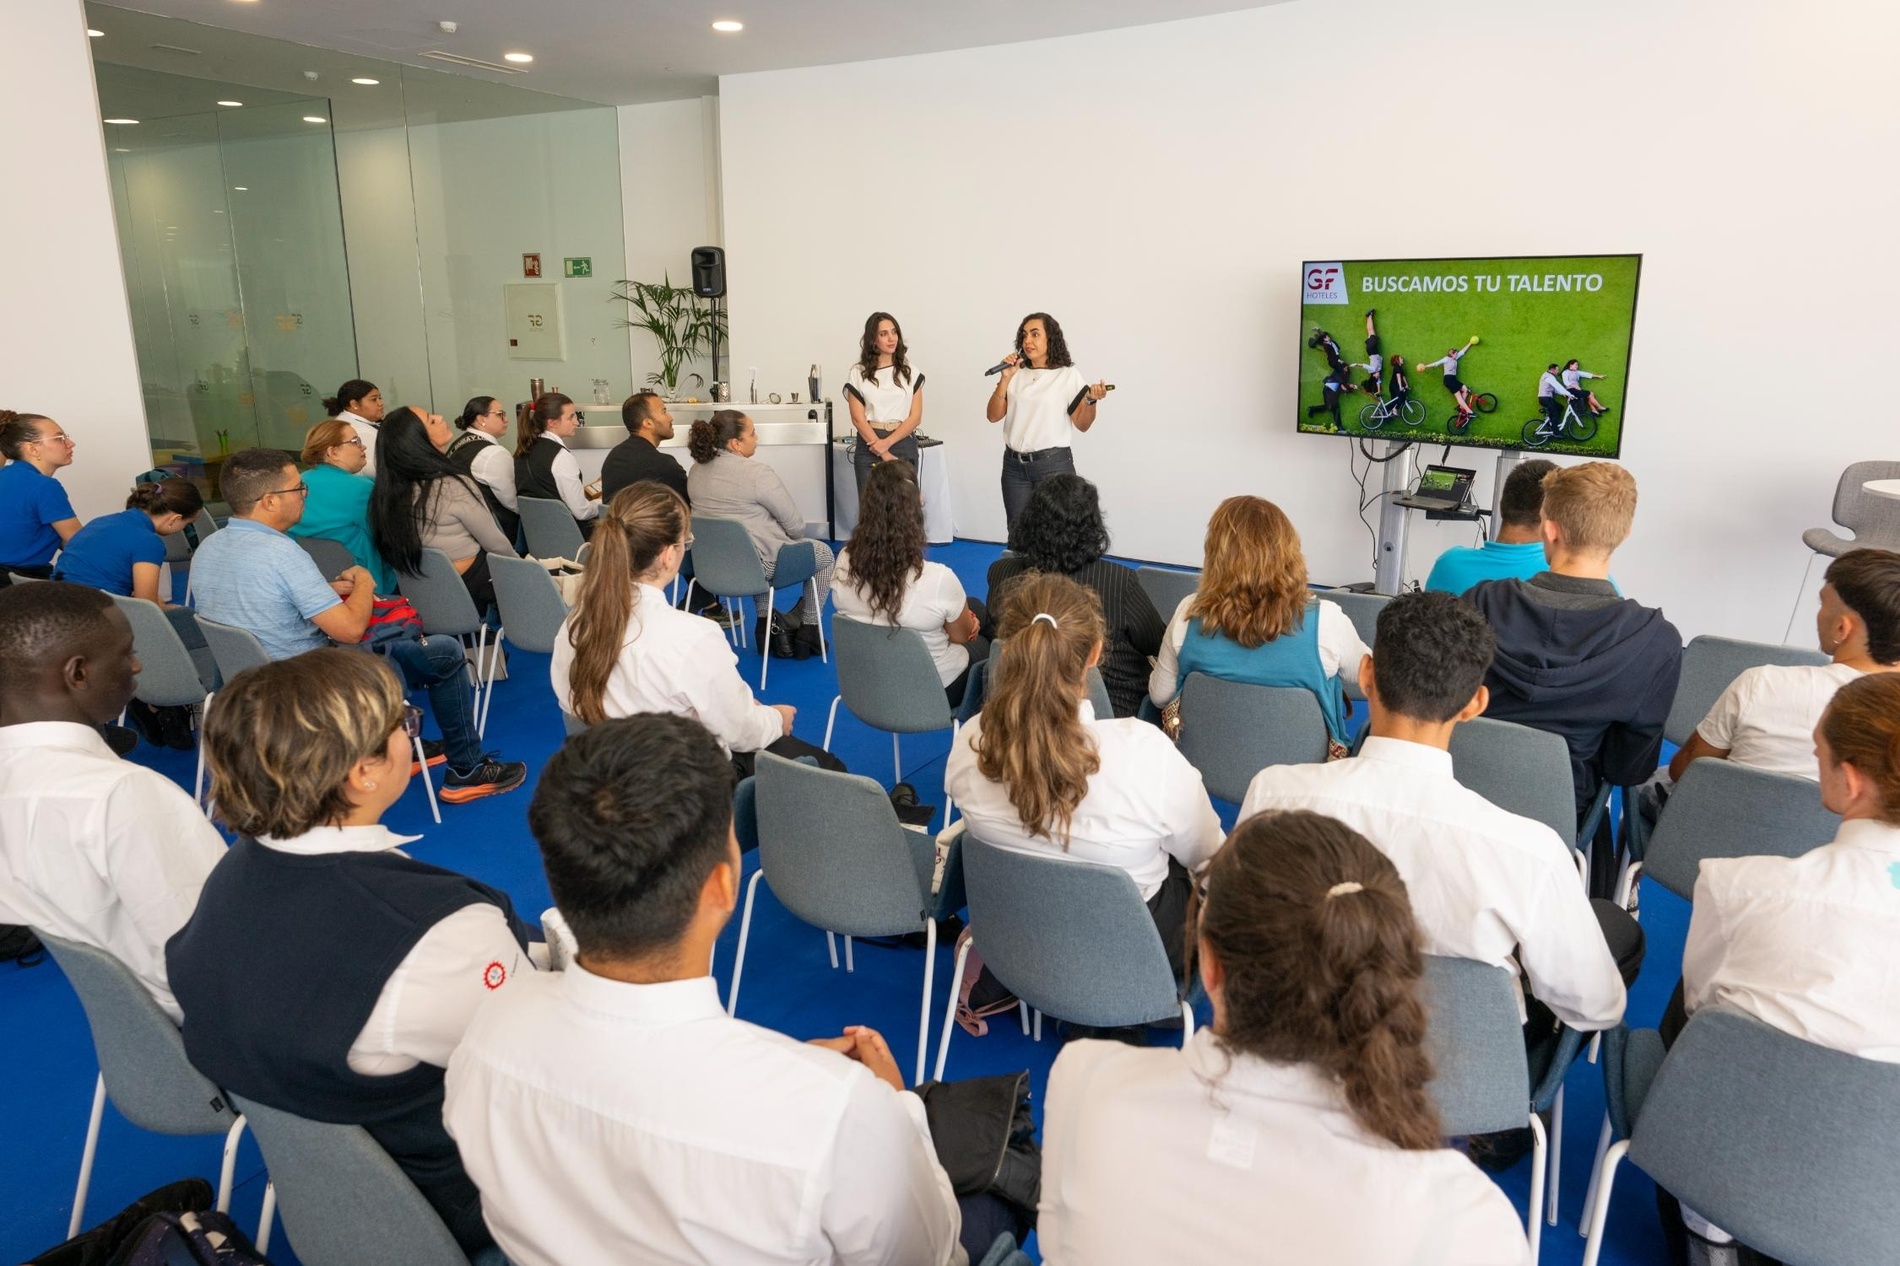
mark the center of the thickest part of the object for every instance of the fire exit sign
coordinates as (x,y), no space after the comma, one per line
(581,266)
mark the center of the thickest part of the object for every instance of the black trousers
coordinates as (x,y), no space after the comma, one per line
(862,460)
(979,650)
(1169,906)
(745,807)
(1023,471)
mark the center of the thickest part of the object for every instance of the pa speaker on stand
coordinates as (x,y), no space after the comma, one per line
(709,283)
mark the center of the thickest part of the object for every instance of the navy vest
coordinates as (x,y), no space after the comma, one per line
(534,470)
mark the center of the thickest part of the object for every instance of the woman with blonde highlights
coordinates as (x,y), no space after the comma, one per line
(1252,619)
(1301,1119)
(337,506)
(1037,771)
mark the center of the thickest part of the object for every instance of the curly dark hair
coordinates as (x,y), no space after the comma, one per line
(1058,346)
(887,550)
(709,436)
(867,349)
(1061,529)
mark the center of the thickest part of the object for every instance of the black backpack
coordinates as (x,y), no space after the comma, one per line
(19,946)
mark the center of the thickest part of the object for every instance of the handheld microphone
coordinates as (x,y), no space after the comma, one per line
(998,367)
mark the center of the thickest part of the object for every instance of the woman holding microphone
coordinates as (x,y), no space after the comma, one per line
(1040,399)
(885,397)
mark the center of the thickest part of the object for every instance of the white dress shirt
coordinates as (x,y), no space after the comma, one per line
(366,431)
(934,599)
(566,469)
(1199,1155)
(608,1122)
(1340,649)
(1806,944)
(427,1002)
(1144,805)
(1766,717)
(675,661)
(98,850)
(1485,884)
(1036,409)
(886,401)
(494,466)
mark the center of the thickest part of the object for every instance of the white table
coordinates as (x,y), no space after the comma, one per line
(1883,488)
(933,479)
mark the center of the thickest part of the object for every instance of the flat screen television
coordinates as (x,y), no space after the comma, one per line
(1528,352)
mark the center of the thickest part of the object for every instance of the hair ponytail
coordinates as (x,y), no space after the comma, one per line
(709,436)
(167,496)
(1321,964)
(1033,739)
(1862,729)
(546,409)
(350,393)
(641,521)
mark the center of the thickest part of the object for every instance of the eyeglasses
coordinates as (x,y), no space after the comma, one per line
(57,437)
(688,542)
(300,488)
(496,413)
(354,440)
(411,720)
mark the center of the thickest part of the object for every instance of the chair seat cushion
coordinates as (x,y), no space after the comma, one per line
(1822,541)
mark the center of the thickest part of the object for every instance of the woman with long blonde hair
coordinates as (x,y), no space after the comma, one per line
(1252,618)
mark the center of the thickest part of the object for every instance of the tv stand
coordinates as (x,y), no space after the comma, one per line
(1389,574)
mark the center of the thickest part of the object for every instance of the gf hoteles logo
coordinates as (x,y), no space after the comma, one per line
(1325,283)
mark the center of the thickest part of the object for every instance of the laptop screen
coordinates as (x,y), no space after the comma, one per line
(1445,481)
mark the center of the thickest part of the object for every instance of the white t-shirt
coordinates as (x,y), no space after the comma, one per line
(1037,414)
(886,401)
(1766,717)
(933,600)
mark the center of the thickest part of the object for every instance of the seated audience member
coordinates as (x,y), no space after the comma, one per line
(253,576)
(615,1113)
(422,501)
(1485,884)
(348,1007)
(360,405)
(649,422)
(1252,619)
(1766,717)
(1301,1119)
(727,483)
(624,649)
(546,468)
(1061,531)
(336,503)
(884,579)
(478,453)
(1038,772)
(92,848)
(36,516)
(1517,552)
(1575,659)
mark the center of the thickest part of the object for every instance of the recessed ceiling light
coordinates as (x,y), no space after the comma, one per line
(522,58)
(367,83)
(94,34)
(232,104)
(123,122)
(314,118)
(242,188)
(120,149)
(728,26)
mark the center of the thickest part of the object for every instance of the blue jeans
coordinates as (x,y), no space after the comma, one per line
(439,665)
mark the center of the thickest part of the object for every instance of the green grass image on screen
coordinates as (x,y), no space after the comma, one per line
(1527,312)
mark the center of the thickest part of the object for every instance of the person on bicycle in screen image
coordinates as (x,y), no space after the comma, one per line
(1551,398)
(1374,363)
(1401,385)
(1454,384)
(1573,383)
(1334,384)
(1335,359)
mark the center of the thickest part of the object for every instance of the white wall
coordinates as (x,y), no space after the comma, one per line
(1157,188)
(669,187)
(65,327)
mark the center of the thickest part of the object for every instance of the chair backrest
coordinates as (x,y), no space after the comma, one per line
(530,603)
(233,648)
(18,579)
(1072,939)
(1098,689)
(167,676)
(887,678)
(724,562)
(344,1202)
(141,1054)
(550,528)
(834,852)
(1724,809)
(1517,768)
(1361,608)
(333,558)
(440,597)
(1166,588)
(1710,664)
(1874,520)
(178,548)
(1481,1079)
(1786,1145)
(1230,731)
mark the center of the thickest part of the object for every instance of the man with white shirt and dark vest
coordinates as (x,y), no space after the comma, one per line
(325,972)
(615,1113)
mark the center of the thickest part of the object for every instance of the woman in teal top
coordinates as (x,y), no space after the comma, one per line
(1252,619)
(337,507)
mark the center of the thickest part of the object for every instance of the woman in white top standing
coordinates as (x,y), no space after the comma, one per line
(883,578)
(1038,772)
(885,397)
(1301,1119)
(360,404)
(1041,399)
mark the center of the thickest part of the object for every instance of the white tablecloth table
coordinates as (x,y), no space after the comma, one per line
(933,475)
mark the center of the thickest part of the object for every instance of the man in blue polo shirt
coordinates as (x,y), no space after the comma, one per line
(1518,551)
(254,576)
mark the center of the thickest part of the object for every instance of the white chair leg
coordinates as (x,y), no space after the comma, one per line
(1187,1022)
(824,655)
(849,963)
(227,1170)
(264,1218)
(1600,1212)
(86,1157)
(1626,884)
(1596,1044)
(950,1011)
(745,931)
(1022,1010)
(832,719)
(923,1012)
(948,803)
(1556,1156)
(765,647)
(428,783)
(198,780)
(1799,594)
(897,761)
(1596,1174)
(1540,1160)
(831,943)
(1036,1025)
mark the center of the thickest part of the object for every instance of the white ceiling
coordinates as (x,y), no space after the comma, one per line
(622,52)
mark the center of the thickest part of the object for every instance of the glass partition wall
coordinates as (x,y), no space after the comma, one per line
(290,218)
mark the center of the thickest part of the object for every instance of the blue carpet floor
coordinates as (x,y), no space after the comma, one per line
(47,1066)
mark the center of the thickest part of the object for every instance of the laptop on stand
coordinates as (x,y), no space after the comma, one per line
(1440,488)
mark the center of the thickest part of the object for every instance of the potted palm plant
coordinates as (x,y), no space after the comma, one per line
(680,326)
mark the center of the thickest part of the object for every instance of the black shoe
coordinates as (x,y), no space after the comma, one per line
(904,799)
(121,739)
(434,752)
(1370,312)
(805,642)
(490,778)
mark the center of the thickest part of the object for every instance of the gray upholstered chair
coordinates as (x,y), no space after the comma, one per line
(332,558)
(887,680)
(344,1201)
(1166,587)
(1363,610)
(836,856)
(550,529)
(726,566)
(530,603)
(1725,809)
(142,1066)
(1874,521)
(168,677)
(1071,939)
(1786,1145)
(1230,731)
(445,607)
(1710,665)
(1519,769)
(978,687)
